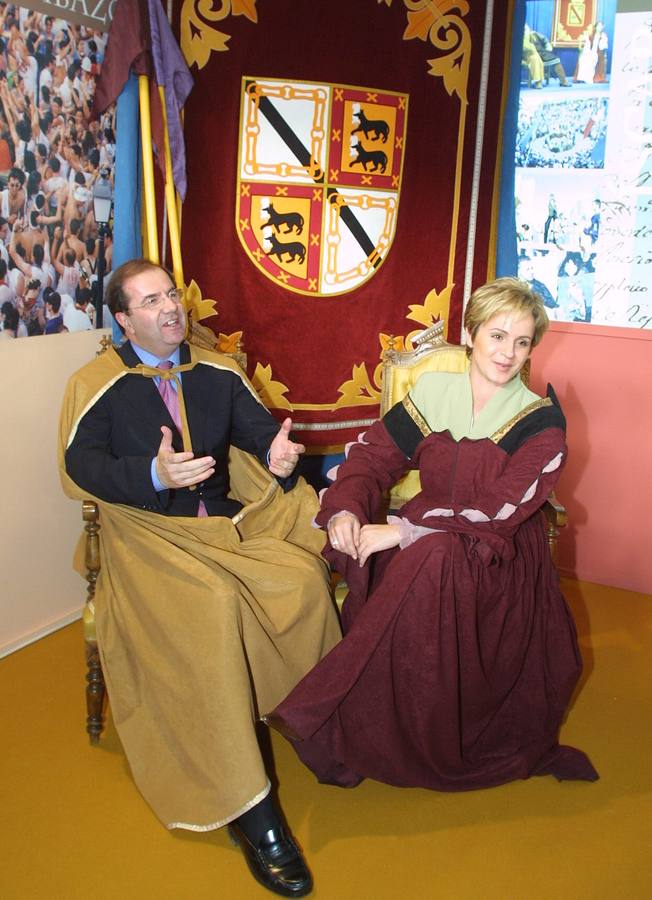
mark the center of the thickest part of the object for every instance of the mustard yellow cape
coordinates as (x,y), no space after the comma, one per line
(203,624)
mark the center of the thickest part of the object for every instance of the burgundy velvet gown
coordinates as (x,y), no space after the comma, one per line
(459,654)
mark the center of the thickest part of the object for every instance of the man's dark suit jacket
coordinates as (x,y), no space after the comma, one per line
(117,438)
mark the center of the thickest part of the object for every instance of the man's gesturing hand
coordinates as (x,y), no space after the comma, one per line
(177,470)
(283,453)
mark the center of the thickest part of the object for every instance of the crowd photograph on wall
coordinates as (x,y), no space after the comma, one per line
(51,155)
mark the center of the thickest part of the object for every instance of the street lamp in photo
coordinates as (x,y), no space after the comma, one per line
(102,203)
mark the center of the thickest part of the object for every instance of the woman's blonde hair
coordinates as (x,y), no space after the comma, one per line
(505,295)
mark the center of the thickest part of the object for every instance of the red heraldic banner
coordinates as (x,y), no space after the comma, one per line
(332,159)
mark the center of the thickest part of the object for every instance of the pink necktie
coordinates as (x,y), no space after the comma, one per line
(171,400)
(169,395)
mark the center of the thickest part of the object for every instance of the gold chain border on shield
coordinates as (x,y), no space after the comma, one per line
(437,22)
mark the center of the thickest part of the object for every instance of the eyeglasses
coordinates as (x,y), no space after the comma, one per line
(155,301)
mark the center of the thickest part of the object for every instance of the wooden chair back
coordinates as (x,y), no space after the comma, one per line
(401,370)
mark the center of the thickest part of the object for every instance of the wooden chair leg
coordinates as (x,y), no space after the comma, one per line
(95,686)
(556,518)
(552,533)
(95,693)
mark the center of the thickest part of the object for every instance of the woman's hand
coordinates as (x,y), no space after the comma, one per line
(344,534)
(377,537)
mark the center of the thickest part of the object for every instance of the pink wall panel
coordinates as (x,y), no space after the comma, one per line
(603,377)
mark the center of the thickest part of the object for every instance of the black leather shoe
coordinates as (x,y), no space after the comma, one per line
(276,862)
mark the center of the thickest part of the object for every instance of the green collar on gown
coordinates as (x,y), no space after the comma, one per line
(446,403)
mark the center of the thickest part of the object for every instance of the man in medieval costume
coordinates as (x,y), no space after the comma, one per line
(212,601)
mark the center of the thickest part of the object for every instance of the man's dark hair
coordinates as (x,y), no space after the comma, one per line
(38,254)
(18,174)
(54,300)
(116,299)
(54,163)
(3,268)
(11,317)
(83,296)
(75,225)
(33,284)
(29,164)
(23,129)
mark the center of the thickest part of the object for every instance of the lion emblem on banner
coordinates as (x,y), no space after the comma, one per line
(319,180)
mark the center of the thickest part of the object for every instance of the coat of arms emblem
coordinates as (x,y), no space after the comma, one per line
(319,178)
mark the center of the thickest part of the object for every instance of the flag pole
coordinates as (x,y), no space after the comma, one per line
(179,200)
(148,170)
(171,198)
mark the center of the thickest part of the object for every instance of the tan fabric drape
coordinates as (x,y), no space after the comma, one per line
(203,625)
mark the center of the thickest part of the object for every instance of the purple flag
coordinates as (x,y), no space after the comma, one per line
(172,72)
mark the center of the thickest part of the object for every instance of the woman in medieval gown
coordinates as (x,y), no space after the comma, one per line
(460,655)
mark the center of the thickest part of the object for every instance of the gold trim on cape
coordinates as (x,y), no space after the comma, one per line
(415,415)
(502,431)
(222,822)
(113,368)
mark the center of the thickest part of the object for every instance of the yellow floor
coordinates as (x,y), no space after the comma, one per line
(74,826)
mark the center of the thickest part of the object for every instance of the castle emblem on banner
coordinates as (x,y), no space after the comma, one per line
(319,179)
